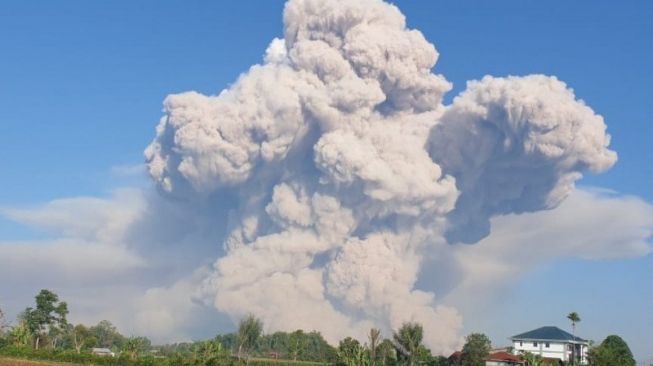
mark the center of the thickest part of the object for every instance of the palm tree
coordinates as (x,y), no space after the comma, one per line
(375,336)
(386,352)
(574,318)
(407,341)
(532,359)
(20,335)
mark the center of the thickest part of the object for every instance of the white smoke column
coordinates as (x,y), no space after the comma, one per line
(342,168)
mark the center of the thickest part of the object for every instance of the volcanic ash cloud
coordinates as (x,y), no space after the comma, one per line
(341,169)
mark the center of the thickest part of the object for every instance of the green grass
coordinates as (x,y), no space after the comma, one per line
(255,361)
(71,358)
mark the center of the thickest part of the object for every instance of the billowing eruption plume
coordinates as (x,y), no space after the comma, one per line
(341,168)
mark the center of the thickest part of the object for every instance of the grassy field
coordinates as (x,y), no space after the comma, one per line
(17,362)
(273,361)
(253,361)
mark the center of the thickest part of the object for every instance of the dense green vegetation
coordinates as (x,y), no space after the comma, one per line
(477,347)
(612,351)
(42,332)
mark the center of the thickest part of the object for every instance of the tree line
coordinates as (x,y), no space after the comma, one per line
(43,331)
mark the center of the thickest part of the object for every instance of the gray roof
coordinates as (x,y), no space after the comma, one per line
(102,350)
(547,334)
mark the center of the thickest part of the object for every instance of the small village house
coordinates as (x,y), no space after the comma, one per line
(551,342)
(102,352)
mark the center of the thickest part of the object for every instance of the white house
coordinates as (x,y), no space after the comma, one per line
(102,352)
(551,342)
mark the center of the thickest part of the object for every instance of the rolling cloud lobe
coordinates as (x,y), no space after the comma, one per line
(341,169)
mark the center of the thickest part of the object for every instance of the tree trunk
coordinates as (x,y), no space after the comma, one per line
(78,346)
(573,345)
(36,345)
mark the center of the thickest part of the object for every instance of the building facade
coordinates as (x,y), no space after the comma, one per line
(551,342)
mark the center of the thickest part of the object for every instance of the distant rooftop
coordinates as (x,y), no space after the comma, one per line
(548,334)
(103,350)
(503,356)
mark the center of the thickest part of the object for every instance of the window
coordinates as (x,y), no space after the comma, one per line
(546,345)
(521,343)
(534,344)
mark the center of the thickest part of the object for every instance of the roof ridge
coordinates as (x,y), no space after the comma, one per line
(548,332)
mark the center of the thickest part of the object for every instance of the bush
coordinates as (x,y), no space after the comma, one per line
(84,358)
(87,358)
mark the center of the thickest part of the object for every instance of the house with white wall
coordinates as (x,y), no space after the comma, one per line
(551,342)
(102,352)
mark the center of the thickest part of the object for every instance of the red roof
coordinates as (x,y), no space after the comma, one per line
(455,356)
(502,356)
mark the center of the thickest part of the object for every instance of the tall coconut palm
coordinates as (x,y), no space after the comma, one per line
(374,337)
(386,352)
(574,318)
(407,341)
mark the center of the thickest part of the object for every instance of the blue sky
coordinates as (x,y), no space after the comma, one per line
(81,87)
